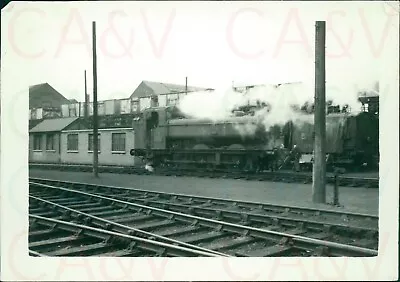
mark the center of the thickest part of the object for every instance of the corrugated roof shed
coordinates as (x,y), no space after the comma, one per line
(148,88)
(54,124)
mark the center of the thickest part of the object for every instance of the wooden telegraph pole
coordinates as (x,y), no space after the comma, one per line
(85,109)
(319,167)
(186,88)
(95,116)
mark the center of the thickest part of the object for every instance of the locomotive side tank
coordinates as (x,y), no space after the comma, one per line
(197,128)
(244,131)
(233,141)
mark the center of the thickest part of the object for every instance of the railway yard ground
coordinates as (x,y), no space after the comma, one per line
(76,214)
(352,199)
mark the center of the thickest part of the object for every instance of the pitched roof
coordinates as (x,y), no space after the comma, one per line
(158,88)
(34,122)
(44,95)
(368,94)
(54,124)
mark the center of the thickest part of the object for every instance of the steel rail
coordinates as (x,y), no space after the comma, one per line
(301,240)
(36,254)
(216,200)
(142,240)
(172,241)
(191,209)
(253,215)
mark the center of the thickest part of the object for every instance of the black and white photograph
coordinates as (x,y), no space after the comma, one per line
(204,140)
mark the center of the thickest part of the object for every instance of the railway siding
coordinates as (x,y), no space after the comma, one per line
(234,239)
(359,200)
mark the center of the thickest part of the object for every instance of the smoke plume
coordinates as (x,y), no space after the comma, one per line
(284,102)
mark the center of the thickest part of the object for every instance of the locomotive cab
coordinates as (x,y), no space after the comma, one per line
(367,140)
(150,133)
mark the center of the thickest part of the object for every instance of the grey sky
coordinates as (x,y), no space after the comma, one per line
(211,43)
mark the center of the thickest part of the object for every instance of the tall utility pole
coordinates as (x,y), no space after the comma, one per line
(186,89)
(95,117)
(85,110)
(319,167)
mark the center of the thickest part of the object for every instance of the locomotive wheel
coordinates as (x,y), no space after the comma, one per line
(237,160)
(137,152)
(236,147)
(201,147)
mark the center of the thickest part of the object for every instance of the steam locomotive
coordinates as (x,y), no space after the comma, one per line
(168,138)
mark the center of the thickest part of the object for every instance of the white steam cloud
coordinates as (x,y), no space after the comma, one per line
(282,100)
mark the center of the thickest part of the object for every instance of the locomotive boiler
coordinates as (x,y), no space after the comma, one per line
(237,142)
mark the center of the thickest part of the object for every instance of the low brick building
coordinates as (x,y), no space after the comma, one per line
(114,146)
(70,141)
(44,140)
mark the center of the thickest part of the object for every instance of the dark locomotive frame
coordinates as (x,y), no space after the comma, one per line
(352,144)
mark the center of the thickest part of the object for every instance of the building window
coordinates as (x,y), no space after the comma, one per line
(72,142)
(101,111)
(90,142)
(118,142)
(134,106)
(172,101)
(37,144)
(72,112)
(33,113)
(154,101)
(50,142)
(117,106)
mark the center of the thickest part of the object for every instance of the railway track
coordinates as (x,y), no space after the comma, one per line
(277,176)
(74,239)
(215,232)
